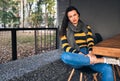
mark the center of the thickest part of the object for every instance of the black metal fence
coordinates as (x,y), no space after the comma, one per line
(24,42)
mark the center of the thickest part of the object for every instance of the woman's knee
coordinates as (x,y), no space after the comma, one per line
(65,57)
(108,73)
(103,68)
(108,68)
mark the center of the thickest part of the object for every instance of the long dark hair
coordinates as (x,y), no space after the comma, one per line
(66,20)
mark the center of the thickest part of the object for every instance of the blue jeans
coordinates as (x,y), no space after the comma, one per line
(80,60)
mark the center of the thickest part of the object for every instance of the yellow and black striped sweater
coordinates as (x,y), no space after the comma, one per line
(80,39)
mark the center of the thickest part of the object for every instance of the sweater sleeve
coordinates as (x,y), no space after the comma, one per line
(66,46)
(90,38)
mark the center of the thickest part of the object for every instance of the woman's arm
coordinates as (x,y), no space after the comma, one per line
(90,39)
(66,46)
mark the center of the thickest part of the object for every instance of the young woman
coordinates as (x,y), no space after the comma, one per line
(77,42)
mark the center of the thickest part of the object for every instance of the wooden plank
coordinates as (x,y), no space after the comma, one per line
(105,51)
(109,47)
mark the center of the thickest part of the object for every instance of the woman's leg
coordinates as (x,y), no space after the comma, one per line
(75,60)
(105,70)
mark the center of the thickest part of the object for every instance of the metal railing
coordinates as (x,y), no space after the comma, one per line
(22,42)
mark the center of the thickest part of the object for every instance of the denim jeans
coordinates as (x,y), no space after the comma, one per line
(79,60)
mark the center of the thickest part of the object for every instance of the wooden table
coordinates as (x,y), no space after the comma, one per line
(109,47)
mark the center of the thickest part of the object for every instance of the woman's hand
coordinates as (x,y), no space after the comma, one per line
(93,58)
(80,53)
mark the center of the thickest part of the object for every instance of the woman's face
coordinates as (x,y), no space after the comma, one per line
(73,17)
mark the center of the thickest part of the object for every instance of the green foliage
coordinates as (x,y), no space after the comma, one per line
(8,12)
(38,16)
(49,6)
(35,18)
(50,21)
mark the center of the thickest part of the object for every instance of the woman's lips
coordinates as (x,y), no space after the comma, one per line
(74,21)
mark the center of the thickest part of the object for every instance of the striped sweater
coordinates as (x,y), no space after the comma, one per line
(80,39)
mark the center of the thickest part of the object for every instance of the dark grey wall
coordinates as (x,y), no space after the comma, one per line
(61,6)
(102,15)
